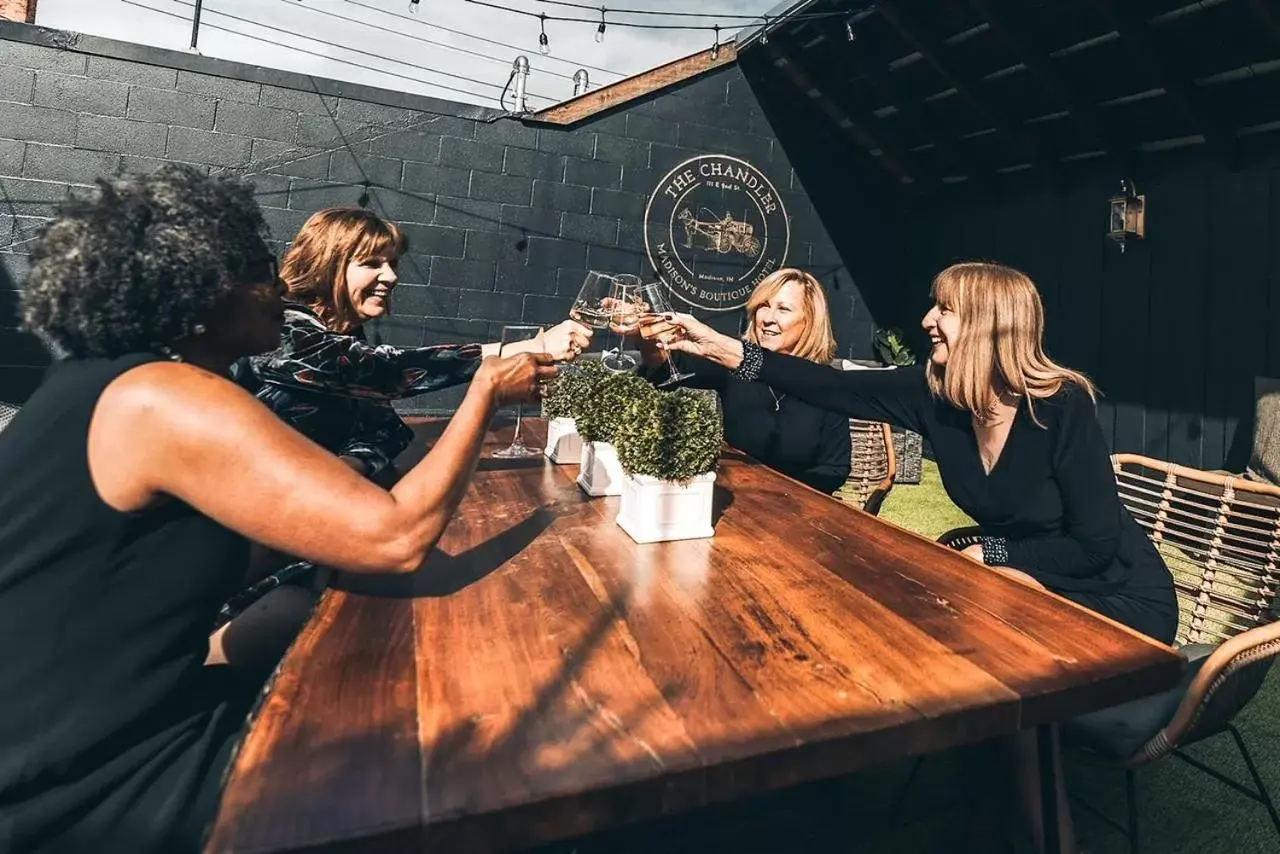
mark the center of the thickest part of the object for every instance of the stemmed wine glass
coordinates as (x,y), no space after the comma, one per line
(604,302)
(654,300)
(517,449)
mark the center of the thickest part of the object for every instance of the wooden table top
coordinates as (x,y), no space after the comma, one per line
(545,677)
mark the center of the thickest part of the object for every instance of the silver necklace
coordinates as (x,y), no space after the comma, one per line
(777,401)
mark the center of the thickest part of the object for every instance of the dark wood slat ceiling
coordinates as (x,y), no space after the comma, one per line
(967,89)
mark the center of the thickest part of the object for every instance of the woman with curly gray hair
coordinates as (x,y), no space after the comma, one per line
(134,480)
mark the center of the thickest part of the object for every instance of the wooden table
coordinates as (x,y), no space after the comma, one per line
(545,677)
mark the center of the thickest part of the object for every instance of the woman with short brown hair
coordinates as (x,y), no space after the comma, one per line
(325,379)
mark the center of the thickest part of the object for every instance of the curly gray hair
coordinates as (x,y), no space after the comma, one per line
(134,266)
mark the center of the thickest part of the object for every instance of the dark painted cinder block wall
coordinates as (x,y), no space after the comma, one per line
(504,217)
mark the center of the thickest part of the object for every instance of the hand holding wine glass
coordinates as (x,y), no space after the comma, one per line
(692,336)
(566,340)
(517,379)
(602,302)
(654,328)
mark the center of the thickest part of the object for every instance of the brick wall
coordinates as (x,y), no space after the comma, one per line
(504,217)
(22,11)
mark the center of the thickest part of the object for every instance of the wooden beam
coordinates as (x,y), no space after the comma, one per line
(1178,86)
(628,89)
(782,53)
(1267,17)
(888,91)
(1032,52)
(933,50)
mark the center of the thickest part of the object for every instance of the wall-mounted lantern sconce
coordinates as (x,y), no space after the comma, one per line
(1128,220)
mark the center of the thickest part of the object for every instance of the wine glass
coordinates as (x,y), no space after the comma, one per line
(624,314)
(655,301)
(602,302)
(517,449)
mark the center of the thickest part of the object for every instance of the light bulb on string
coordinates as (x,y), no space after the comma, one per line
(764,32)
(413,7)
(600,29)
(715,46)
(848,31)
(544,44)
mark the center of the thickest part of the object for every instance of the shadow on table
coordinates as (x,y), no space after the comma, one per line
(720,502)
(444,574)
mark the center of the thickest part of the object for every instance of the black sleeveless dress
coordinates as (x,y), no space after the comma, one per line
(114,736)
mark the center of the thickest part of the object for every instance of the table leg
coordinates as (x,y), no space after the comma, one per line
(1048,762)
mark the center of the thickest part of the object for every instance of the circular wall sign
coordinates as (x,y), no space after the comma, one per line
(714,227)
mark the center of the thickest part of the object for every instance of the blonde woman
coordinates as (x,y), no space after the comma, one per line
(1016,440)
(788,314)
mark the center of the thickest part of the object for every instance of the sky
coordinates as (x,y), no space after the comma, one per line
(450,49)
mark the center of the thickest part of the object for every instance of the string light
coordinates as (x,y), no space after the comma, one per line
(413,6)
(600,29)
(544,44)
(848,30)
(801,16)
(715,46)
(764,34)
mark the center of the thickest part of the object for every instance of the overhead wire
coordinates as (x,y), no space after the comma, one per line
(424,40)
(719,16)
(480,38)
(764,19)
(330,58)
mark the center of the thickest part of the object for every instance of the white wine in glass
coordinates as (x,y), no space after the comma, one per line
(655,300)
(603,302)
(517,449)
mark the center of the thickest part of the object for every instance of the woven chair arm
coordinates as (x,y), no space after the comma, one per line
(961,538)
(1227,664)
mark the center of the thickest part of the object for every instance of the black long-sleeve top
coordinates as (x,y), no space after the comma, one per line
(1051,494)
(786,434)
(337,389)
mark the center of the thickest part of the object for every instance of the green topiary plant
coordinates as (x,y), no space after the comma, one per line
(603,407)
(891,347)
(673,436)
(566,393)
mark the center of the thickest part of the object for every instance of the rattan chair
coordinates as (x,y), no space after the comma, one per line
(1220,537)
(874,465)
(7,414)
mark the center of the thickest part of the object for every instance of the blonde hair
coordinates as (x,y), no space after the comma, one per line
(1001,341)
(817,343)
(315,267)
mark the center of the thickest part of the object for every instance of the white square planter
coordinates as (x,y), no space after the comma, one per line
(564,445)
(601,473)
(655,511)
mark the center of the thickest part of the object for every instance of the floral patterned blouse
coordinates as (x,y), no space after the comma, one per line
(337,389)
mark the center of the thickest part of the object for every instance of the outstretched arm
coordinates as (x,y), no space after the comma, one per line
(315,359)
(173,429)
(898,396)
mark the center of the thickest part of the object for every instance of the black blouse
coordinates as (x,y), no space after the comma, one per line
(1051,495)
(337,389)
(786,434)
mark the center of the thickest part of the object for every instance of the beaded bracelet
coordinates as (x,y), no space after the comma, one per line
(752,362)
(995,551)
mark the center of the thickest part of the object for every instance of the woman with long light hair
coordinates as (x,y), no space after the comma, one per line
(1015,436)
(787,313)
